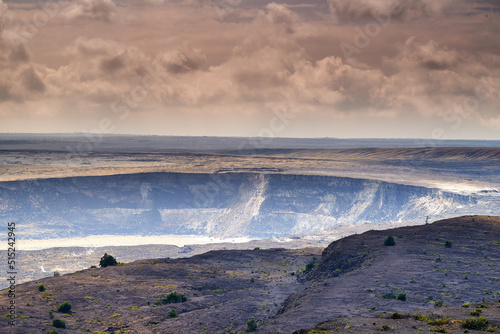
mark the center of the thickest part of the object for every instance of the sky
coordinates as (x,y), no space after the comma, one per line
(320,68)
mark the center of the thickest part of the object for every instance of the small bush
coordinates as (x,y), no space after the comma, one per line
(475,313)
(438,303)
(448,244)
(251,325)
(310,266)
(401,296)
(396,315)
(172,314)
(389,241)
(58,323)
(52,331)
(388,295)
(51,314)
(57,274)
(475,323)
(386,328)
(466,304)
(107,260)
(439,329)
(173,297)
(65,307)
(438,320)
(42,287)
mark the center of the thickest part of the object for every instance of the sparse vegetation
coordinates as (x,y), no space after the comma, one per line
(51,331)
(389,241)
(396,315)
(107,260)
(475,313)
(475,323)
(386,328)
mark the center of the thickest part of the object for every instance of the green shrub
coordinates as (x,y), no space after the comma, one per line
(396,315)
(388,295)
(389,241)
(251,325)
(172,314)
(58,323)
(475,313)
(386,328)
(439,329)
(466,304)
(173,297)
(438,303)
(51,314)
(475,323)
(310,266)
(107,260)
(52,331)
(64,307)
(448,244)
(401,296)
(42,287)
(57,274)
(438,320)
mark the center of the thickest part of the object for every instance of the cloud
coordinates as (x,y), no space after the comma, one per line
(266,55)
(183,59)
(99,10)
(346,10)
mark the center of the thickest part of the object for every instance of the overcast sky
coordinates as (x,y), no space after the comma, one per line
(336,68)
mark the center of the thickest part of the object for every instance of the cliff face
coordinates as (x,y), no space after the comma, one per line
(219,205)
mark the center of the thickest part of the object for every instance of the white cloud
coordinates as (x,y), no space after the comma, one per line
(99,10)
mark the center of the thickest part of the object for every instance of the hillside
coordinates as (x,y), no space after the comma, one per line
(225,288)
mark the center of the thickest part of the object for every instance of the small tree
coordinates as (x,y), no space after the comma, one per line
(448,244)
(172,314)
(58,323)
(42,287)
(65,307)
(389,241)
(107,260)
(57,274)
(251,325)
